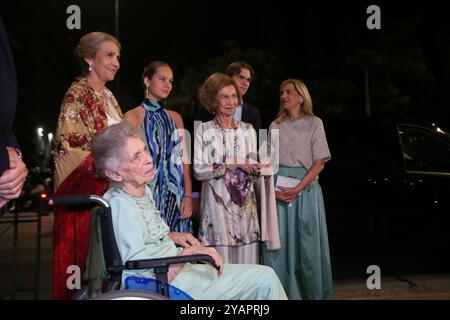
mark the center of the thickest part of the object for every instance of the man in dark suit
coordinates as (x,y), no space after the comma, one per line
(12,169)
(242,74)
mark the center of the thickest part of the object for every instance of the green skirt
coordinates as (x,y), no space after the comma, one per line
(303,261)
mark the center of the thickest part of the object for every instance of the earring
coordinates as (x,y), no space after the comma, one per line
(146,91)
(90,67)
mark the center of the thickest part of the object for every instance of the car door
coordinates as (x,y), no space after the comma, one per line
(426,181)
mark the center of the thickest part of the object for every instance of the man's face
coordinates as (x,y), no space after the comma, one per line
(243,80)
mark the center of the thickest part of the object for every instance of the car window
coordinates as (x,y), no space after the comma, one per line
(424,150)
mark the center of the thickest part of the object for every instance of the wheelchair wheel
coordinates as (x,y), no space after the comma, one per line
(130,295)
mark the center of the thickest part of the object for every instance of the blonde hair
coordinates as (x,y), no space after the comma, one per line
(212,85)
(306,106)
(89,45)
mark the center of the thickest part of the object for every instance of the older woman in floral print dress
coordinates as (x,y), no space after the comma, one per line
(87,108)
(224,160)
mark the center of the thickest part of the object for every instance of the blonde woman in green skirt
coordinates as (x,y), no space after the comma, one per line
(303,261)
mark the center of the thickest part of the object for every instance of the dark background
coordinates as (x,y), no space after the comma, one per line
(325,44)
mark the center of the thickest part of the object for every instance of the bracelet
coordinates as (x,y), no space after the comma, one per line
(187,197)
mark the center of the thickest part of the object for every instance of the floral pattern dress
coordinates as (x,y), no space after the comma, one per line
(228,210)
(84,113)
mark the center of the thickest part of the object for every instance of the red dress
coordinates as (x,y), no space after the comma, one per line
(83,114)
(72,226)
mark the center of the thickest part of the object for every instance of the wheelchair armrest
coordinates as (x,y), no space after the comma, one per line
(167,261)
(161,267)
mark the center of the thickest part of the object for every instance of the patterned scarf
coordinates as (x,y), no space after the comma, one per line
(165,147)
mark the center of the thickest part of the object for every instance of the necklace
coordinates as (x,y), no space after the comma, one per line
(145,203)
(229,153)
(148,210)
(100,94)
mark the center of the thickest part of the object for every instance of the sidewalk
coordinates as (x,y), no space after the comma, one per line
(26,257)
(416,286)
(411,287)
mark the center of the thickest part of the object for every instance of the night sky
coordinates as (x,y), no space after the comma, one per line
(325,44)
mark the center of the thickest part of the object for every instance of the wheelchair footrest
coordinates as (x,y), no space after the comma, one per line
(153,285)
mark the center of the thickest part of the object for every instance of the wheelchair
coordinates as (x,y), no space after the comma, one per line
(103,250)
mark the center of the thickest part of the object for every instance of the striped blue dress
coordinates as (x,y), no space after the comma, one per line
(165,147)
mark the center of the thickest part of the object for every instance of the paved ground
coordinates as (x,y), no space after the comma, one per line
(26,258)
(417,286)
(412,286)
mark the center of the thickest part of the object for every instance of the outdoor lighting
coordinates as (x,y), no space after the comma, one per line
(50,136)
(440,130)
(40,132)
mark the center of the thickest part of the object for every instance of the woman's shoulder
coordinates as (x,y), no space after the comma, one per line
(115,193)
(274,125)
(205,129)
(78,86)
(245,126)
(172,112)
(208,124)
(118,199)
(315,120)
(135,116)
(176,117)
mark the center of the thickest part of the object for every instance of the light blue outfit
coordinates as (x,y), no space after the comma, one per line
(142,234)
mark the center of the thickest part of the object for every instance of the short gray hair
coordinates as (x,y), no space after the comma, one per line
(108,144)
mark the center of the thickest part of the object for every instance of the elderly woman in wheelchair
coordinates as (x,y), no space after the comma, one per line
(121,156)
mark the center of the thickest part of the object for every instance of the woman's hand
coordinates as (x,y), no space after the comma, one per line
(249,165)
(287,194)
(253,168)
(210,251)
(184,239)
(186,208)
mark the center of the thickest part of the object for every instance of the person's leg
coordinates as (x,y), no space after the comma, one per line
(285,261)
(239,281)
(315,279)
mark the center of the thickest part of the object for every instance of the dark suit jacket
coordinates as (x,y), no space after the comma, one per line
(8,98)
(250,114)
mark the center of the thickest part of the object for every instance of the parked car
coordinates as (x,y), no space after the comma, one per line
(387,189)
